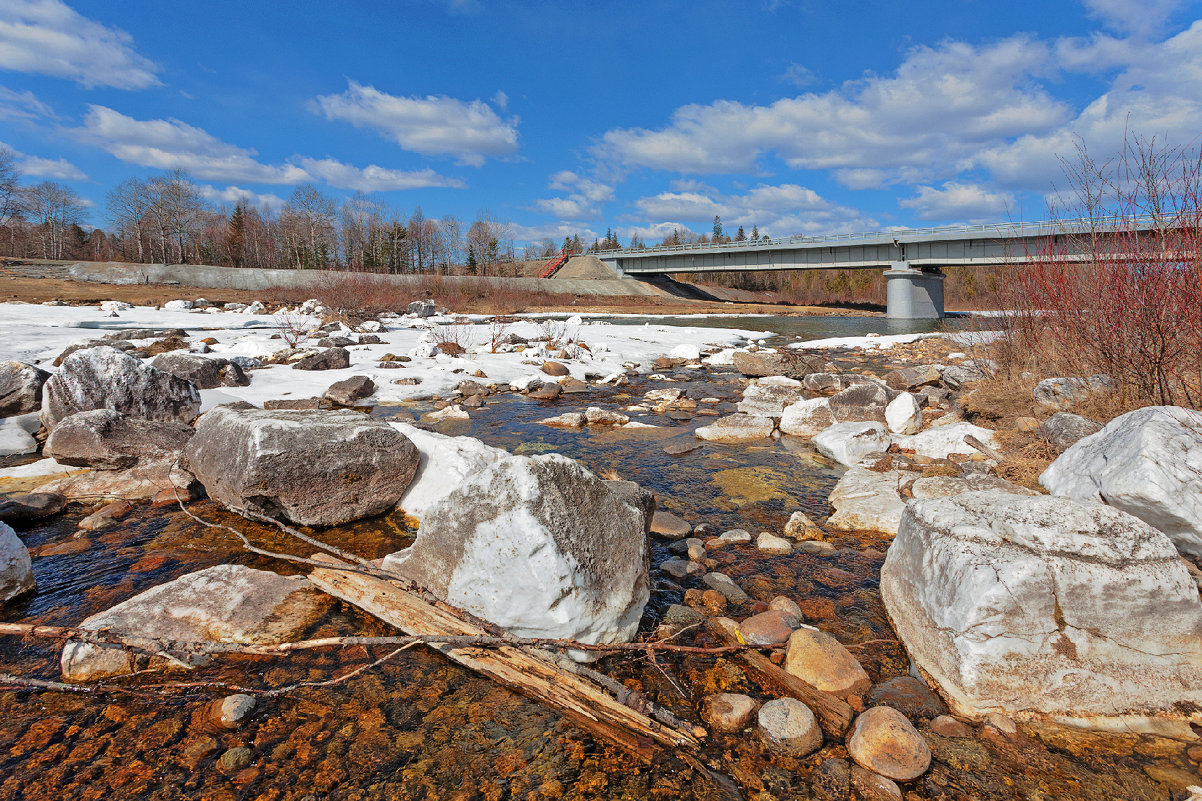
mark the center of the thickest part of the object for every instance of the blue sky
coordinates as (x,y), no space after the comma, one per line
(795,115)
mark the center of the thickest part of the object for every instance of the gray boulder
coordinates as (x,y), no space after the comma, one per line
(16,570)
(539,546)
(770,399)
(908,379)
(850,443)
(110,440)
(350,391)
(1147,463)
(224,603)
(860,403)
(329,359)
(203,371)
(958,375)
(1062,393)
(313,467)
(106,378)
(790,364)
(421,308)
(1064,429)
(20,388)
(1041,605)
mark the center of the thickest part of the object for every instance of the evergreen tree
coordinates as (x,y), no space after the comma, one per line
(472,265)
(755,233)
(740,236)
(717,228)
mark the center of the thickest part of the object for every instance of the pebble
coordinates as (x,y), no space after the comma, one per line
(680,568)
(884,741)
(735,535)
(666,524)
(818,548)
(789,727)
(681,448)
(680,616)
(801,527)
(695,550)
(1000,724)
(723,584)
(782,604)
(228,712)
(818,658)
(869,786)
(235,759)
(728,712)
(768,628)
(771,544)
(947,726)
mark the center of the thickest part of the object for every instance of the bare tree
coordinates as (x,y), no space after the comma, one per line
(129,206)
(52,208)
(179,211)
(307,225)
(10,197)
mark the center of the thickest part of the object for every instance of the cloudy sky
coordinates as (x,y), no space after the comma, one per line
(798,116)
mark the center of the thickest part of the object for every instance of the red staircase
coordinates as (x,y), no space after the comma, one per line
(554,264)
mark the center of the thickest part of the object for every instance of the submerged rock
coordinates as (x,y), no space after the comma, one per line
(736,428)
(818,658)
(110,440)
(106,378)
(539,546)
(728,712)
(790,727)
(16,569)
(1041,605)
(1147,463)
(224,603)
(883,741)
(316,468)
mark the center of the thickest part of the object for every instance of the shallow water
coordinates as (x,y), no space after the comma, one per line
(420,727)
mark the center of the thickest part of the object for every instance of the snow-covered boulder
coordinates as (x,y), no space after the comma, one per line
(849,443)
(177,305)
(17,434)
(805,418)
(106,378)
(865,500)
(903,415)
(736,428)
(20,388)
(768,398)
(445,462)
(1044,605)
(111,440)
(539,546)
(16,571)
(316,468)
(938,442)
(224,603)
(687,351)
(1147,463)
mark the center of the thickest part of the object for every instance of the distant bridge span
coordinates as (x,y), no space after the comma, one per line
(911,258)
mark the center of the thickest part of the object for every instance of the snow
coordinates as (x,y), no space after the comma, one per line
(37,334)
(869,342)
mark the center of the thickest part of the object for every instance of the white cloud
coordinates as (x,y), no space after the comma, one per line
(374,178)
(432,126)
(942,104)
(170,144)
(799,76)
(960,202)
(1143,18)
(16,105)
(500,100)
(38,167)
(49,38)
(555,231)
(583,200)
(787,208)
(232,195)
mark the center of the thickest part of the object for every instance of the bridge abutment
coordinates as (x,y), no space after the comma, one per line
(913,294)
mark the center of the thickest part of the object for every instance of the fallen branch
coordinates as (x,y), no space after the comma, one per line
(981,447)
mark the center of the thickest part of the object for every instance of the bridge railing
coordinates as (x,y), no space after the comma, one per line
(1001,230)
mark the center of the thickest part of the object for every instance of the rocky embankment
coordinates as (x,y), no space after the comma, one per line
(1078,604)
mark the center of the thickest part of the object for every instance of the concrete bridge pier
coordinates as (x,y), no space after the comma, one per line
(913,294)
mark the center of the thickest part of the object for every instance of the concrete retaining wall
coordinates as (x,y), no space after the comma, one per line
(204,276)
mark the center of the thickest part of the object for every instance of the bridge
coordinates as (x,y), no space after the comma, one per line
(912,259)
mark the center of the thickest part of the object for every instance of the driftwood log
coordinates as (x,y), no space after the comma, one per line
(576,698)
(834,715)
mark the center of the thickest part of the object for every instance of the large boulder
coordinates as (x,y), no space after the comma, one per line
(106,378)
(789,364)
(939,442)
(224,603)
(313,467)
(903,415)
(205,372)
(770,399)
(1147,463)
(110,440)
(848,443)
(860,403)
(865,500)
(806,418)
(1041,605)
(20,388)
(539,546)
(445,462)
(908,379)
(1062,393)
(16,571)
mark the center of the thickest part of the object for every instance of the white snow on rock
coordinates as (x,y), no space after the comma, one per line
(1029,606)
(16,570)
(687,350)
(16,436)
(446,462)
(903,415)
(1147,463)
(849,443)
(805,418)
(769,398)
(865,500)
(539,546)
(940,441)
(736,428)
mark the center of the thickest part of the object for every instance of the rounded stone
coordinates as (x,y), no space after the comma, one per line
(228,712)
(908,695)
(669,525)
(884,741)
(235,759)
(818,658)
(947,726)
(789,727)
(728,712)
(869,786)
(782,604)
(769,628)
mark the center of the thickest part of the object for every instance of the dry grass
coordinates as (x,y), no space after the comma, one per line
(1025,464)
